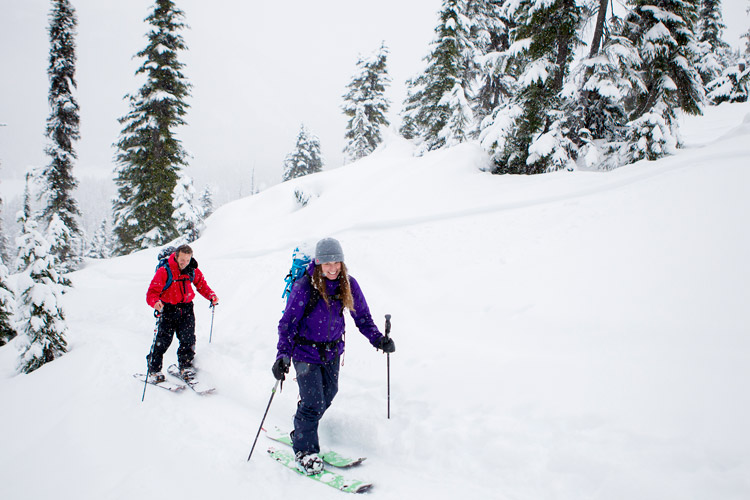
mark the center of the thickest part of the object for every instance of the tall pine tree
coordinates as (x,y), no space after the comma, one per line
(62,130)
(598,116)
(150,156)
(366,105)
(489,34)
(545,39)
(437,110)
(663,32)
(713,52)
(305,159)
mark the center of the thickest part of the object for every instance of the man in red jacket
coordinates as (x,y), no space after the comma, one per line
(174,302)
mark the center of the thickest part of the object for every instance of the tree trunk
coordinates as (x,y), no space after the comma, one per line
(596,41)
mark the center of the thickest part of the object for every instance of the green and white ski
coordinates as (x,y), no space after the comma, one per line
(329,456)
(332,479)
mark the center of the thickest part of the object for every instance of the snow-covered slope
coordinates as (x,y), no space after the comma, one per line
(564,336)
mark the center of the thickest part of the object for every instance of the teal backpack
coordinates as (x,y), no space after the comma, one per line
(300,262)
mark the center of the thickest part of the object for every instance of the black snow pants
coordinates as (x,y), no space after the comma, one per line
(176,319)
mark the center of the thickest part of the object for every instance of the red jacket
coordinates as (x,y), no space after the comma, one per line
(180,291)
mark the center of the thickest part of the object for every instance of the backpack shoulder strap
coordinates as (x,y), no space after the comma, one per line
(165,264)
(314,297)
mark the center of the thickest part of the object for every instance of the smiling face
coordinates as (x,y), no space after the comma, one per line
(331,270)
(183,259)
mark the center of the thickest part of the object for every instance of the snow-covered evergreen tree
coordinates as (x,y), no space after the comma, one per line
(305,159)
(651,136)
(188,214)
(41,321)
(207,199)
(489,35)
(58,235)
(663,32)
(605,81)
(100,246)
(598,116)
(7,307)
(4,255)
(366,105)
(436,110)
(24,215)
(732,86)
(712,50)
(62,130)
(545,40)
(150,157)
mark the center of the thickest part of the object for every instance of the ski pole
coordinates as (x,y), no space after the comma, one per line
(211,333)
(388,361)
(273,392)
(157,315)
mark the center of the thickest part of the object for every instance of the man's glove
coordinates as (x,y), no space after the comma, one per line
(386,344)
(280,367)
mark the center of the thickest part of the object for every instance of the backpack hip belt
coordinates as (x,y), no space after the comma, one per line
(322,347)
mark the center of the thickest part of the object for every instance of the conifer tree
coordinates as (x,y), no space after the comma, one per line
(305,159)
(598,117)
(366,105)
(663,32)
(489,35)
(732,86)
(207,199)
(187,214)
(58,235)
(24,215)
(538,142)
(100,245)
(7,307)
(436,110)
(150,157)
(712,51)
(41,319)
(4,255)
(62,130)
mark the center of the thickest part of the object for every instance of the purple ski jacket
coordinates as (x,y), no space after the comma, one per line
(324,324)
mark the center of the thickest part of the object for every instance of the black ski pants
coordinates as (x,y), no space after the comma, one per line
(176,319)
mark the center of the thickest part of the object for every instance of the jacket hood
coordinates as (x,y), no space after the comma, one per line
(191,267)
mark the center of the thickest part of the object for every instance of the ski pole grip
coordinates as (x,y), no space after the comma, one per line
(387,324)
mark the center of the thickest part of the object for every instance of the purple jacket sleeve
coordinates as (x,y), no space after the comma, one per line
(362,316)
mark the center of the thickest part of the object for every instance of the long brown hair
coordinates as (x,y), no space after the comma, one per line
(345,289)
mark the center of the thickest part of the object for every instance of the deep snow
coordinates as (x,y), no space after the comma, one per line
(575,335)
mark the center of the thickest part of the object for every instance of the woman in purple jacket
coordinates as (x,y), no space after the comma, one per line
(311,335)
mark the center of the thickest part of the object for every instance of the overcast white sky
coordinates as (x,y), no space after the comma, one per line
(258,69)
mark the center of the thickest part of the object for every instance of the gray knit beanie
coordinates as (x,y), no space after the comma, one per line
(328,250)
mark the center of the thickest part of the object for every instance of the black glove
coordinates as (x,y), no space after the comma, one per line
(280,367)
(386,344)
